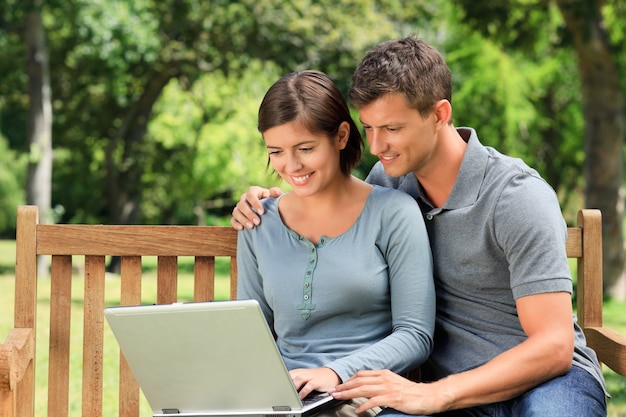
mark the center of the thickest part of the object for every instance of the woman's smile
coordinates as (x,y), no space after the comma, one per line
(302,179)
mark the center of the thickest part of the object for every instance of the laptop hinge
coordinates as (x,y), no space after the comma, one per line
(171,411)
(279,408)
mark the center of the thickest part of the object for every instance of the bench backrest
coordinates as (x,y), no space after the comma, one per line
(168,243)
(96,243)
(584,242)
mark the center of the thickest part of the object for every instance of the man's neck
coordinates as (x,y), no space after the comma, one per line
(439,181)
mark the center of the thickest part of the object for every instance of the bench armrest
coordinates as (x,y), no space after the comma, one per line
(610,347)
(15,355)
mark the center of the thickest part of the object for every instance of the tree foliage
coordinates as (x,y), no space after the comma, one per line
(111,61)
(576,32)
(519,93)
(206,145)
(155,101)
(12,192)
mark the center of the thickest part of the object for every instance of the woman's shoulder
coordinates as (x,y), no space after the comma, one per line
(270,204)
(386,195)
(270,219)
(388,203)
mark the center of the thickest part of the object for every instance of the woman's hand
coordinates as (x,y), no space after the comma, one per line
(316,379)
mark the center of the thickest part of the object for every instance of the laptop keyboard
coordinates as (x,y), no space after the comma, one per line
(313,397)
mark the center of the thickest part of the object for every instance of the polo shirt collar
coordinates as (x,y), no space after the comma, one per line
(469,180)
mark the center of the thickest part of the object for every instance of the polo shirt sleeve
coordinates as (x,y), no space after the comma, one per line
(532,232)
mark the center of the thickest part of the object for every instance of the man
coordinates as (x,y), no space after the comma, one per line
(506,343)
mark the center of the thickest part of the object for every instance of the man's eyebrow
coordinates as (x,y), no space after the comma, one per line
(391,123)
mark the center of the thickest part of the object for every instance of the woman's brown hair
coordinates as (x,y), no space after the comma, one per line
(312,98)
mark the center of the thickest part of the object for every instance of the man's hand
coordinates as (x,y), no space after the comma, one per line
(248,210)
(387,389)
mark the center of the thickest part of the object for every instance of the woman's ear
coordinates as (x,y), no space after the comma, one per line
(343,133)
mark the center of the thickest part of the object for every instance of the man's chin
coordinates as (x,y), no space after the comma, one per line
(391,172)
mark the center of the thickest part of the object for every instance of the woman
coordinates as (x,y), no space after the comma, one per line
(342,269)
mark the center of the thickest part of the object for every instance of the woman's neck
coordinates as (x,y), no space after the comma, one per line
(329,213)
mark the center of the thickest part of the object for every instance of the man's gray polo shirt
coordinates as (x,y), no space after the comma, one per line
(499,236)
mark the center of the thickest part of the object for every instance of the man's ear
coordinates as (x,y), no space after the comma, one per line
(443,111)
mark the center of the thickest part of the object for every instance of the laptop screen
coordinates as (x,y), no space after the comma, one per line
(208,358)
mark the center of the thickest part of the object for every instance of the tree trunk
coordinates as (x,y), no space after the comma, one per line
(39,182)
(124,187)
(124,172)
(604,113)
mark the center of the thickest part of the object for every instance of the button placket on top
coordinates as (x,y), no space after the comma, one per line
(307,287)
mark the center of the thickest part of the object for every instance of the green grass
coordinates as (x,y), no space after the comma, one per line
(613,316)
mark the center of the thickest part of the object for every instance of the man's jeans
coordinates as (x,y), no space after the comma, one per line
(574,394)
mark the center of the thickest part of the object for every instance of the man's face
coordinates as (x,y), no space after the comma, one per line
(403,140)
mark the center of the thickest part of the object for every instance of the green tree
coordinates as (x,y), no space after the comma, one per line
(535,28)
(27,67)
(12,176)
(522,105)
(605,127)
(115,59)
(39,127)
(206,145)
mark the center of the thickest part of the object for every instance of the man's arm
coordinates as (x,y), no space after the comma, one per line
(545,354)
(248,210)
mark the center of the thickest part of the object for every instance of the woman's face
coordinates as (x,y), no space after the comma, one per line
(308,162)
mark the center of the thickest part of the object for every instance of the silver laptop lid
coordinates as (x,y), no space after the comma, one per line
(205,359)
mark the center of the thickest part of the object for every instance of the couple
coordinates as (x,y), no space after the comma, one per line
(350,294)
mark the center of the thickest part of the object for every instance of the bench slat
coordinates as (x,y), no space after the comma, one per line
(590,291)
(60,324)
(167,285)
(69,239)
(93,335)
(573,245)
(204,278)
(233,273)
(130,288)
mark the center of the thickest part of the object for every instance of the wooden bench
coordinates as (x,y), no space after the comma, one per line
(168,243)
(95,242)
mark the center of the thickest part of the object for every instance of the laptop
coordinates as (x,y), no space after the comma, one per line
(206,359)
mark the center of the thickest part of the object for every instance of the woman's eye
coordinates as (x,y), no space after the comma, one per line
(306,149)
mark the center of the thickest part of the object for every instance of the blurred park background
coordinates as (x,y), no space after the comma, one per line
(144,111)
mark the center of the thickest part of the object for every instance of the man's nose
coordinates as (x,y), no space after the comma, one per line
(375,141)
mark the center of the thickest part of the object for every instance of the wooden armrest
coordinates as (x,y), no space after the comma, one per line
(610,347)
(15,355)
